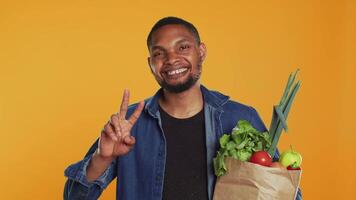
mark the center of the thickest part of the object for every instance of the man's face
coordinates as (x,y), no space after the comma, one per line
(175,58)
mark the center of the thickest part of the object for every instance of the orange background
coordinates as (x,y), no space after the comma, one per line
(64,65)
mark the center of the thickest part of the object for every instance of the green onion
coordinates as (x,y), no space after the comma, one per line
(280,112)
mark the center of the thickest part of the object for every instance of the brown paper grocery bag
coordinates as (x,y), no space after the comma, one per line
(249,181)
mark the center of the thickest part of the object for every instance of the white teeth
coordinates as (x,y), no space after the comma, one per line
(177,71)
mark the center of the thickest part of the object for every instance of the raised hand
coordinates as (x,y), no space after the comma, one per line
(115,139)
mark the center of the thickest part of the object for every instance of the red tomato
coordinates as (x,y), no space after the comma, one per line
(291,168)
(261,158)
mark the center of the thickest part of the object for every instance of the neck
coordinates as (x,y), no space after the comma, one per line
(184,104)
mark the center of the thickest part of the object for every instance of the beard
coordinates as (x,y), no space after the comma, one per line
(183,86)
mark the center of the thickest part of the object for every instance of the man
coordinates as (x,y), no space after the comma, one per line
(163,147)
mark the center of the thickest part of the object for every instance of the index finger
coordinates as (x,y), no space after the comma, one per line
(124,104)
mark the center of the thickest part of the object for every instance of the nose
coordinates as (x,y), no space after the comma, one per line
(171,58)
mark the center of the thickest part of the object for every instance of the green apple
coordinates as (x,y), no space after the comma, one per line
(290,158)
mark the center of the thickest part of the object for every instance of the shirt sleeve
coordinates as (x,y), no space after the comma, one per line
(257,122)
(77,186)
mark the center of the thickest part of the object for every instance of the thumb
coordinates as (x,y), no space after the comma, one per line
(129,140)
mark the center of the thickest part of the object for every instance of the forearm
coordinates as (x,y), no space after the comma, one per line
(97,166)
(78,187)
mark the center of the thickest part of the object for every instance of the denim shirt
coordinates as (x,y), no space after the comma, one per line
(140,173)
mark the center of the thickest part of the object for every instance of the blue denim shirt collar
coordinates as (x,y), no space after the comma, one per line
(213,99)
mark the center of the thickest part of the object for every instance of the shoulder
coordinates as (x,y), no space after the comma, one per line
(229,105)
(234,106)
(234,111)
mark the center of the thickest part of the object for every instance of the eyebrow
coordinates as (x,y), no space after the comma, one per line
(161,48)
(157,47)
(182,40)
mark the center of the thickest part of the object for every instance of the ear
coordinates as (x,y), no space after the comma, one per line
(202,51)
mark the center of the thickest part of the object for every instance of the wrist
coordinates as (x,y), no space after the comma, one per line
(103,159)
(97,165)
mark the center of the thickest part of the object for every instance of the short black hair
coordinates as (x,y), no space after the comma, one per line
(173,20)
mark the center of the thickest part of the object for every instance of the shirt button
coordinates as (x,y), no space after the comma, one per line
(158,178)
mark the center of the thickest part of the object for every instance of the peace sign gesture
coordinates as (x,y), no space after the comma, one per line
(115,139)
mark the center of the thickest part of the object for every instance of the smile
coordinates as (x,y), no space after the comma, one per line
(177,71)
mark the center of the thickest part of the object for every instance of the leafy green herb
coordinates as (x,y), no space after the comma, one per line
(240,144)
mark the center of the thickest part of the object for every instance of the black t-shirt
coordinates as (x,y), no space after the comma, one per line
(186,166)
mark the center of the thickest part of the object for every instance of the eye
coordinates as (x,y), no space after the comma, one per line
(183,47)
(157,53)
